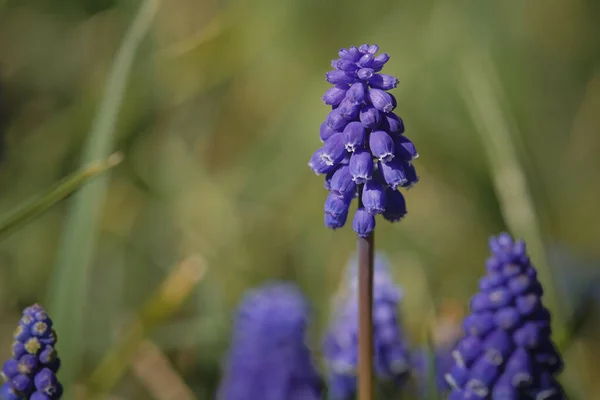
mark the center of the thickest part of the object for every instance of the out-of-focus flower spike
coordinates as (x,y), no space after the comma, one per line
(268,358)
(516,358)
(340,345)
(34,359)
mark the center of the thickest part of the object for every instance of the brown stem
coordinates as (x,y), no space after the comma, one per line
(365,250)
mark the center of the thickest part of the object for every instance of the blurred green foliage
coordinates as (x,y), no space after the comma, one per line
(219,119)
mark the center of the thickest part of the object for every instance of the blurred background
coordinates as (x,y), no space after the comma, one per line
(219,117)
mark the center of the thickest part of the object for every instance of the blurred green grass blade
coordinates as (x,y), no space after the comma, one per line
(170,296)
(481,90)
(72,272)
(432,392)
(35,207)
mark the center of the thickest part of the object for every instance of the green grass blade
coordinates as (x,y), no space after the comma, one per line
(72,272)
(37,206)
(482,94)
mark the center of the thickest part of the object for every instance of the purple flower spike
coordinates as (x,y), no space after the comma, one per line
(268,358)
(517,359)
(373,197)
(382,146)
(340,345)
(360,131)
(35,363)
(363,223)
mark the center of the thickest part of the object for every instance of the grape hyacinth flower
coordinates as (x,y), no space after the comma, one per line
(340,347)
(31,372)
(268,358)
(365,153)
(507,351)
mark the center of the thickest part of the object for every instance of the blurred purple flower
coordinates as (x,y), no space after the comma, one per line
(268,358)
(362,127)
(507,351)
(340,346)
(31,372)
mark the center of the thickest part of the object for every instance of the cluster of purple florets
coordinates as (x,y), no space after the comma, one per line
(365,154)
(31,372)
(340,346)
(507,352)
(268,358)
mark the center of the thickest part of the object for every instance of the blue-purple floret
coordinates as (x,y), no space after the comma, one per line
(363,136)
(268,358)
(31,372)
(340,346)
(507,351)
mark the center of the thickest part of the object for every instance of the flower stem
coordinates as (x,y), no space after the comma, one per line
(365,250)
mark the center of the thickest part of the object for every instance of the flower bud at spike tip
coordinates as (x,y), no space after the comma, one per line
(363,145)
(504,349)
(31,373)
